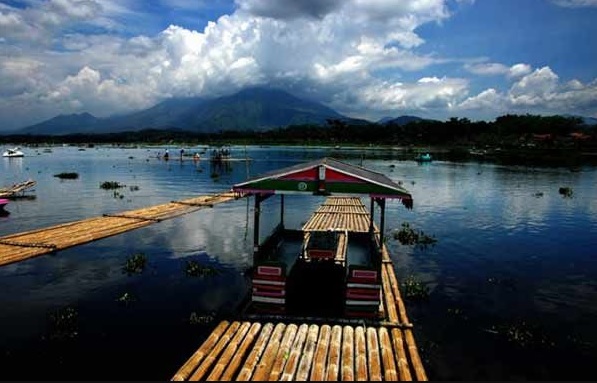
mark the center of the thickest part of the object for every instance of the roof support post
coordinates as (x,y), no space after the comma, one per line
(382,219)
(371,216)
(282,210)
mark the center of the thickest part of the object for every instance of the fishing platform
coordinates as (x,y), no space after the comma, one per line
(325,302)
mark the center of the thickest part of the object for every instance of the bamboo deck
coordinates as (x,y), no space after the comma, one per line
(22,246)
(310,350)
(17,189)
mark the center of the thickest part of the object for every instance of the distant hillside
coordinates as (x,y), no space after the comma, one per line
(402,120)
(256,109)
(64,124)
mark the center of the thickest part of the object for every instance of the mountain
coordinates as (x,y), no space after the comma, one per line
(402,120)
(250,109)
(64,124)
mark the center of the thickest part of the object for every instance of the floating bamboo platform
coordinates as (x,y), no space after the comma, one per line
(22,246)
(315,348)
(17,189)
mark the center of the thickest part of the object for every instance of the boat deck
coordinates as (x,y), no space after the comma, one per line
(280,347)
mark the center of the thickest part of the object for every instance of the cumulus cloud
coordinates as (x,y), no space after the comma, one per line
(575,3)
(538,92)
(353,55)
(493,69)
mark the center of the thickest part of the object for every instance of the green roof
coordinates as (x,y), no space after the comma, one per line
(325,176)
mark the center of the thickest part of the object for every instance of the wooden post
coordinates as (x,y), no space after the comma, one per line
(371,220)
(282,210)
(382,218)
(258,199)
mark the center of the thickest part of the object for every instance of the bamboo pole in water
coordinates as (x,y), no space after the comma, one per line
(319,360)
(295,353)
(387,355)
(403,367)
(265,364)
(229,352)
(347,372)
(373,355)
(283,352)
(360,354)
(304,366)
(247,370)
(334,354)
(187,369)
(242,350)
(203,368)
(414,356)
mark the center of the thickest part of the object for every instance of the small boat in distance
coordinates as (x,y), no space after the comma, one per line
(423,157)
(14,152)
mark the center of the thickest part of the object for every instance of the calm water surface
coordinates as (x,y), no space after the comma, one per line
(512,278)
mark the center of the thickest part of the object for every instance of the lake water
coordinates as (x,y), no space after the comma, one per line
(512,278)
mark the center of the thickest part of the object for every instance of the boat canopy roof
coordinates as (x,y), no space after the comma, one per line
(325,176)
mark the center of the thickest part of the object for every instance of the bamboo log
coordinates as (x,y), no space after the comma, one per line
(397,296)
(334,354)
(360,354)
(203,368)
(373,355)
(242,350)
(265,364)
(402,361)
(387,355)
(229,352)
(305,363)
(388,296)
(347,372)
(283,352)
(414,356)
(247,370)
(185,371)
(295,353)
(319,360)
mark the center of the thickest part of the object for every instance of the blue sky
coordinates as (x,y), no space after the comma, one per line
(365,58)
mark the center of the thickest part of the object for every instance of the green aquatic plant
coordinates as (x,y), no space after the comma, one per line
(109,185)
(566,192)
(414,289)
(67,175)
(133,188)
(63,323)
(196,319)
(135,264)
(409,236)
(195,269)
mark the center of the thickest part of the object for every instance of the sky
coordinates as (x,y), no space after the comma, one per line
(476,59)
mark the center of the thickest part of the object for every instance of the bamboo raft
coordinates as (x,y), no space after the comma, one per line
(22,246)
(17,189)
(305,348)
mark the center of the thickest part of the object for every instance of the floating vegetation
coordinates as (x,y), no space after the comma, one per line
(409,236)
(195,269)
(414,289)
(214,175)
(135,264)
(522,335)
(538,194)
(133,188)
(196,319)
(126,298)
(109,185)
(67,175)
(63,323)
(566,192)
(118,195)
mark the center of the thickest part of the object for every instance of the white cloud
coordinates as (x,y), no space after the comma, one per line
(518,70)
(487,69)
(538,92)
(575,3)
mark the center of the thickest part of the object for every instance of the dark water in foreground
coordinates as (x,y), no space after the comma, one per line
(512,279)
